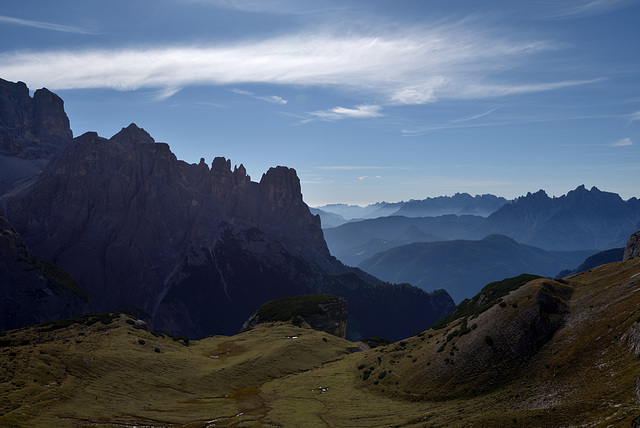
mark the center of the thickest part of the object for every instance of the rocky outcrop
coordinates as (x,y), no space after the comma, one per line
(632,250)
(32,130)
(32,291)
(321,312)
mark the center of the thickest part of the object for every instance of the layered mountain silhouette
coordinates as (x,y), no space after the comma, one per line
(197,248)
(583,221)
(334,215)
(461,267)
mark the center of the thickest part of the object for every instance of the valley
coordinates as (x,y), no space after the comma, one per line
(110,373)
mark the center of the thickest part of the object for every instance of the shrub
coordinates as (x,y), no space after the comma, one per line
(141,341)
(488,340)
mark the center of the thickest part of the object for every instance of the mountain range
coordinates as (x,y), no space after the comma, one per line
(463,267)
(568,229)
(334,215)
(193,248)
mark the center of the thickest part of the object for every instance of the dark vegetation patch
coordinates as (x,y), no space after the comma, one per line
(105,318)
(374,342)
(60,278)
(289,307)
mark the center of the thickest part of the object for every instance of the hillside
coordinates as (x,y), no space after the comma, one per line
(461,267)
(550,353)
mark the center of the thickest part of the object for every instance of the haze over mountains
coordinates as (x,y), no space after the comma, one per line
(563,231)
(459,204)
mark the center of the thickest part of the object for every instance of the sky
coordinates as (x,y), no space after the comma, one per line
(368,100)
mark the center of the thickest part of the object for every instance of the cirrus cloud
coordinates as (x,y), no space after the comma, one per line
(401,67)
(623,142)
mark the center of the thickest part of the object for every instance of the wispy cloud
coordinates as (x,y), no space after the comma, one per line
(358,167)
(474,117)
(623,142)
(164,93)
(262,6)
(578,8)
(268,98)
(634,116)
(412,66)
(337,113)
(455,124)
(44,25)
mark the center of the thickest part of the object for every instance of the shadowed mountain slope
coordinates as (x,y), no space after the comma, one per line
(32,291)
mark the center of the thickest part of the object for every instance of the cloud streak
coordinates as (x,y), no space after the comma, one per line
(337,113)
(358,167)
(623,142)
(43,25)
(268,98)
(415,66)
(579,8)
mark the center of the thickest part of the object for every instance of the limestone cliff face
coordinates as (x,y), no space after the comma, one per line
(31,291)
(632,250)
(31,131)
(31,128)
(125,214)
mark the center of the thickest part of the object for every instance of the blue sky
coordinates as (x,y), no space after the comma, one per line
(368,100)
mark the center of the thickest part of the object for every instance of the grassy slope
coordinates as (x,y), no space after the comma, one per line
(108,374)
(584,376)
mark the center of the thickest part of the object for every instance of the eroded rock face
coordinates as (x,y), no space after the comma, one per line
(123,214)
(31,128)
(632,250)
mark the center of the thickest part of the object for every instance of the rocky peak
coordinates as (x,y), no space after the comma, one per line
(281,186)
(31,128)
(220,165)
(632,250)
(132,135)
